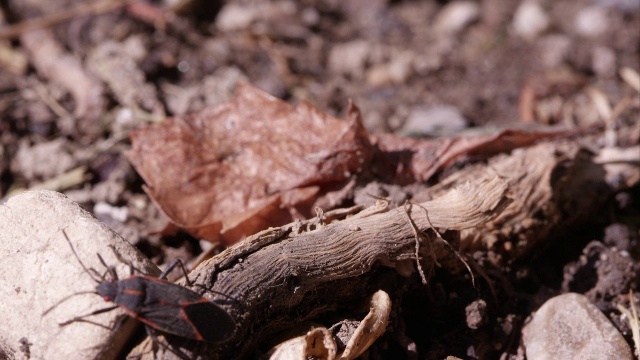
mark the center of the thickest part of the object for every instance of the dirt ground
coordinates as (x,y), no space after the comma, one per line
(72,91)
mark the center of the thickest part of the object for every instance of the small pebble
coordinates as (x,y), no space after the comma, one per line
(476,314)
(349,58)
(456,15)
(620,236)
(236,17)
(102,210)
(603,61)
(395,71)
(530,20)
(568,326)
(591,21)
(435,120)
(554,50)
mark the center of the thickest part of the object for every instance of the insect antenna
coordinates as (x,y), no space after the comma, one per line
(92,275)
(110,269)
(176,351)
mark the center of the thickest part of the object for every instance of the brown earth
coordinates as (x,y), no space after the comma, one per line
(71,92)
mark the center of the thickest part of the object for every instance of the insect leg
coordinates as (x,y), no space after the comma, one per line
(119,323)
(154,336)
(85,321)
(81,318)
(206,289)
(189,283)
(172,266)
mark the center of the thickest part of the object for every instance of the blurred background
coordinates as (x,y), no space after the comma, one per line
(77,78)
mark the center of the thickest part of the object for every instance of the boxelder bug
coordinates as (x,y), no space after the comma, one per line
(159,304)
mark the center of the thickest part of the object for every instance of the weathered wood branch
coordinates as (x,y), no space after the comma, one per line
(557,188)
(281,277)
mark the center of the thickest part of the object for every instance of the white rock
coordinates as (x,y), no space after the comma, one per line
(349,58)
(568,326)
(603,61)
(396,71)
(236,17)
(554,50)
(591,21)
(530,20)
(310,16)
(102,209)
(435,120)
(456,15)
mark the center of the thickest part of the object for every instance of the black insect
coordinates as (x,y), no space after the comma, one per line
(159,304)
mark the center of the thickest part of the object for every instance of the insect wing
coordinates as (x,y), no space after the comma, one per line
(179,311)
(210,320)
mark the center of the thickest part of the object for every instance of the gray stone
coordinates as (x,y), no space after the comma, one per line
(554,50)
(456,15)
(236,17)
(568,326)
(591,21)
(349,58)
(476,314)
(603,61)
(530,20)
(395,71)
(435,120)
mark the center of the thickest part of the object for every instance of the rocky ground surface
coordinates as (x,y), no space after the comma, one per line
(75,81)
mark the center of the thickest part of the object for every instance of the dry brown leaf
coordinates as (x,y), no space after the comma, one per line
(407,160)
(318,344)
(371,327)
(233,170)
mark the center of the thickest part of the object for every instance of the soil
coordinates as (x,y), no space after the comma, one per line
(129,66)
